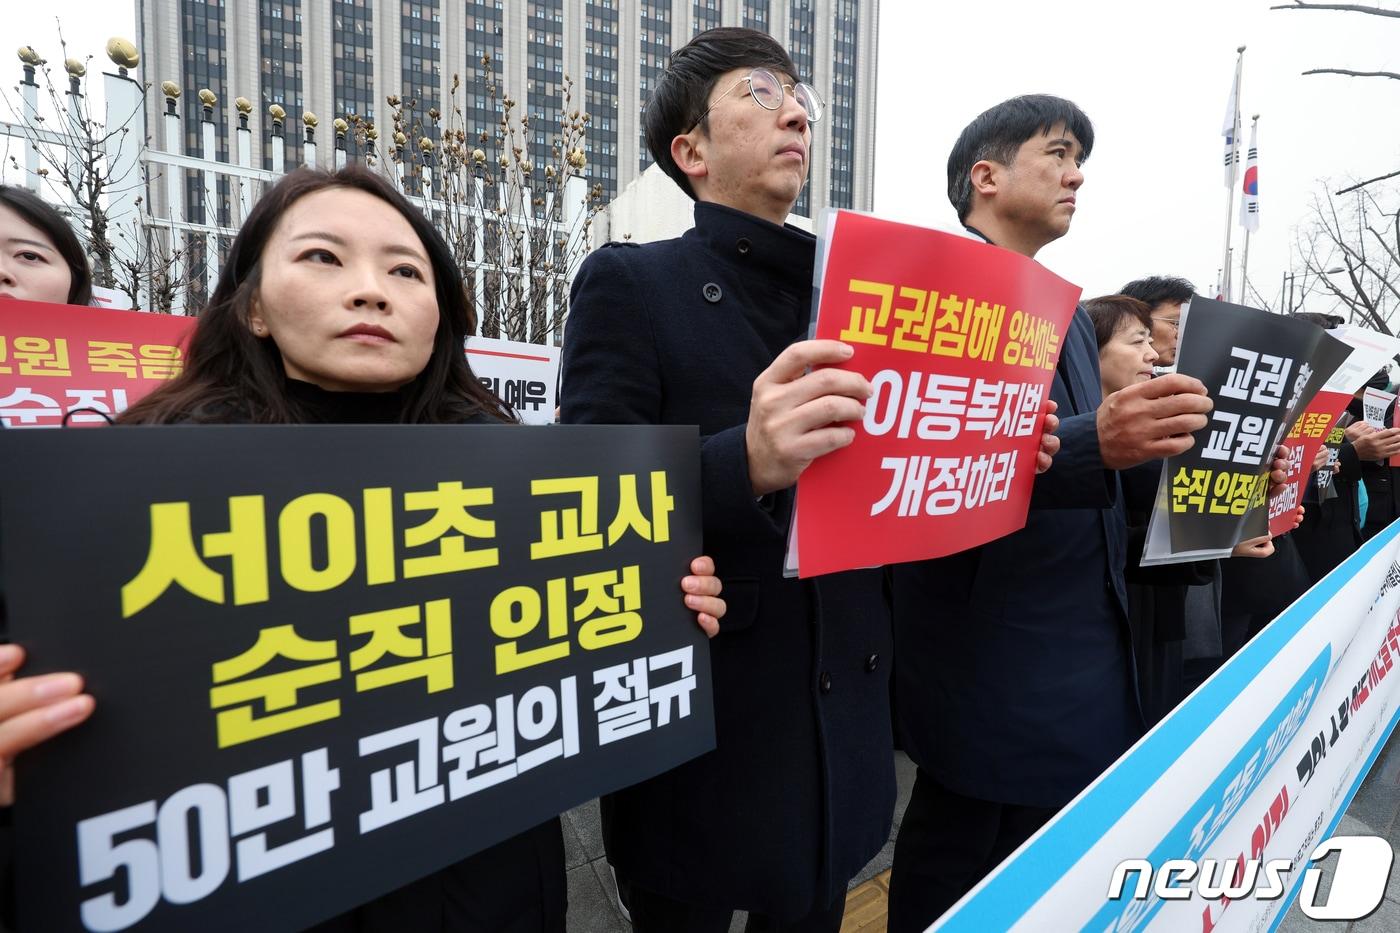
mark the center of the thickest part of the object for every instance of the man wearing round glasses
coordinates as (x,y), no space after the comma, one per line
(707,329)
(751,158)
(769,91)
(1164,295)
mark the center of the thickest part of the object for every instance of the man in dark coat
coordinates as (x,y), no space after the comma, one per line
(1014,683)
(1331,530)
(798,794)
(1376,447)
(1165,295)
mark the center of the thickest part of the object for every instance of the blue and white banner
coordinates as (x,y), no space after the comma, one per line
(1236,789)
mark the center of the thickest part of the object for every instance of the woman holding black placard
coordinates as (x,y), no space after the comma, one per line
(1157,595)
(339,304)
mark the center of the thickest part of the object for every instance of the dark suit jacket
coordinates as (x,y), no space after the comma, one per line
(799,793)
(1331,530)
(1014,677)
(1382,484)
(1156,600)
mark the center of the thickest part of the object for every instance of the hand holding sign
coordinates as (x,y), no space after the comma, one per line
(33,709)
(1377,443)
(1049,443)
(1151,420)
(1278,469)
(1262,546)
(1321,458)
(1358,429)
(702,589)
(796,415)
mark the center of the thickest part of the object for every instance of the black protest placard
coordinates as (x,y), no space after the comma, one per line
(1261,370)
(330,660)
(1333,442)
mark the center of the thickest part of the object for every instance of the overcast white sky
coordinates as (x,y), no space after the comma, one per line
(1153,77)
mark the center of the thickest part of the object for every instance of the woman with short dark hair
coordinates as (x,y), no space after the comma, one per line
(1157,596)
(1123,329)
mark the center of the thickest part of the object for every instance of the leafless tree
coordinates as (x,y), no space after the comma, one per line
(526,254)
(501,213)
(77,172)
(80,182)
(147,268)
(1348,72)
(1350,251)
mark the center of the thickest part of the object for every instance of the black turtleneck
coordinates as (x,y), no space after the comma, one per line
(320,406)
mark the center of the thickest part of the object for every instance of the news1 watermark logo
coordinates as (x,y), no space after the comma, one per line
(1359,876)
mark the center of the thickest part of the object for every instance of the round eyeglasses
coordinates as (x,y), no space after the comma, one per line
(769,91)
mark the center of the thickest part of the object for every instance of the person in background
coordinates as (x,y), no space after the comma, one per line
(1123,328)
(40,256)
(1332,529)
(40,260)
(1164,295)
(1375,446)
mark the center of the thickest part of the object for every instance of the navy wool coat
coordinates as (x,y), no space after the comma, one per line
(798,795)
(1015,680)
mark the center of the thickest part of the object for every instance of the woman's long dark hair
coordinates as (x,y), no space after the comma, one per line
(32,208)
(230,372)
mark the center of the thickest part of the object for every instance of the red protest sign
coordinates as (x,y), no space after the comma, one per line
(56,359)
(959,340)
(1304,440)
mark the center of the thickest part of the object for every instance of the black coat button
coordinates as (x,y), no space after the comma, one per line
(872,662)
(744,245)
(712,292)
(825,682)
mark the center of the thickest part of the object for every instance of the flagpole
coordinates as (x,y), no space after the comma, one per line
(1244,263)
(1244,269)
(1234,174)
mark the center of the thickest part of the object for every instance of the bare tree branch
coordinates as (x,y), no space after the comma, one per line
(1348,7)
(500,204)
(1371,290)
(1263,302)
(1369,181)
(1353,74)
(1392,258)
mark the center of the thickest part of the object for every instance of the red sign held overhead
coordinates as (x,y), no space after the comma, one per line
(960,341)
(58,360)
